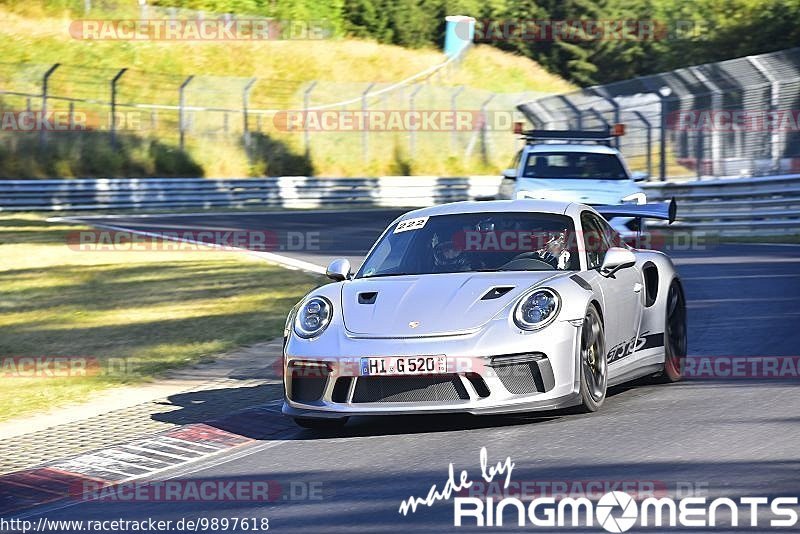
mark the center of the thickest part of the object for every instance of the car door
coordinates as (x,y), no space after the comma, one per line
(622,292)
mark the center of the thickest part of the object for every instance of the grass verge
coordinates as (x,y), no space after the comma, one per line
(136,313)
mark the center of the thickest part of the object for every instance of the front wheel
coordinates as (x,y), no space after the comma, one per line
(593,362)
(321,424)
(674,334)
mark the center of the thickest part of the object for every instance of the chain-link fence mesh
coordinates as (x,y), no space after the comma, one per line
(736,117)
(224,118)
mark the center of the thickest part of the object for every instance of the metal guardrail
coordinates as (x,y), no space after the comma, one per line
(280,192)
(735,206)
(763,205)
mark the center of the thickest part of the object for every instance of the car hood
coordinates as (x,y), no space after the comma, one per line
(429,304)
(578,190)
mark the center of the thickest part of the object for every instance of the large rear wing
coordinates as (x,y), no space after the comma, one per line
(660,210)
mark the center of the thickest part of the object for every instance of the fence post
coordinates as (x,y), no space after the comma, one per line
(716,106)
(453,132)
(484,129)
(365,131)
(45,79)
(412,137)
(245,104)
(698,153)
(306,102)
(599,117)
(181,106)
(114,106)
(774,103)
(574,109)
(648,142)
(663,95)
(603,93)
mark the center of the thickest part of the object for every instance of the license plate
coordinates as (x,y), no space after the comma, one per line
(404,365)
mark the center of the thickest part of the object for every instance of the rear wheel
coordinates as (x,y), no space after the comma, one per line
(319,423)
(593,362)
(674,334)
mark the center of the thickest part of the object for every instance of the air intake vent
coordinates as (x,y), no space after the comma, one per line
(496,292)
(367,298)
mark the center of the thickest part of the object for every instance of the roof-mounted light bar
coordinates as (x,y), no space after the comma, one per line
(604,136)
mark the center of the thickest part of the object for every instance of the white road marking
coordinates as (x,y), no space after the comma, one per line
(178,442)
(142,448)
(280,259)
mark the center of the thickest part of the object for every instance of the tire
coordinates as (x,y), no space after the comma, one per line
(321,424)
(593,362)
(674,335)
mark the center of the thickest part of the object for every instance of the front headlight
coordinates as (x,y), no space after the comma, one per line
(537,310)
(313,317)
(635,198)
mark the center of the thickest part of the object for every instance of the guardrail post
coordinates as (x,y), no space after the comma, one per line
(114,81)
(306,103)
(365,131)
(412,136)
(648,141)
(45,79)
(181,106)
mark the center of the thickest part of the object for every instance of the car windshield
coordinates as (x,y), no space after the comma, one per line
(575,165)
(474,242)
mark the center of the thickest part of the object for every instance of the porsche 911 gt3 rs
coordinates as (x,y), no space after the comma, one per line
(484,308)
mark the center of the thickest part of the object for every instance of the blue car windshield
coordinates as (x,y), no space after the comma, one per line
(474,242)
(574,165)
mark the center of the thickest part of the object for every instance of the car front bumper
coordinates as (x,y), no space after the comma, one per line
(522,372)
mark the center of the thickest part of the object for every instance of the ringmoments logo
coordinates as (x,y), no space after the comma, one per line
(615,511)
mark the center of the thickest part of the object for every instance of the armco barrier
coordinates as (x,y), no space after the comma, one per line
(735,206)
(287,191)
(763,205)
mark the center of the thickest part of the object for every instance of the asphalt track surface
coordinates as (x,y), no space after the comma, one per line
(724,437)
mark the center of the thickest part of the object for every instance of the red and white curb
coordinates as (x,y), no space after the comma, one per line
(140,459)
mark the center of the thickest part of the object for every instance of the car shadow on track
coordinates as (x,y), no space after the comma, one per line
(255,412)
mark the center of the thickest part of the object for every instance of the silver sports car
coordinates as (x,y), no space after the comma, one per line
(485,308)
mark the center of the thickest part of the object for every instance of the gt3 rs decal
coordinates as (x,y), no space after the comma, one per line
(643,342)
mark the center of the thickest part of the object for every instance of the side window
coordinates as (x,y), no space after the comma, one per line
(594,239)
(612,236)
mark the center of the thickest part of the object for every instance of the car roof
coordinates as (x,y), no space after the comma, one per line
(560,147)
(492,206)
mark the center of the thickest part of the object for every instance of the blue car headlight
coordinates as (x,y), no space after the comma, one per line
(313,317)
(537,309)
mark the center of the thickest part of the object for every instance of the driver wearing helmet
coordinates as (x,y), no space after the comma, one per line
(555,251)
